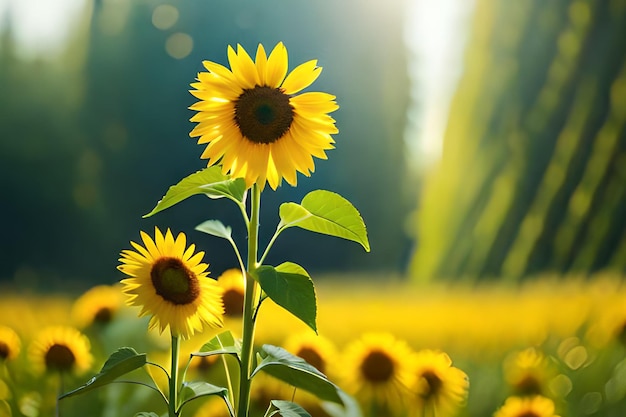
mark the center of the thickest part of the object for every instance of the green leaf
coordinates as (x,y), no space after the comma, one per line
(209,181)
(296,371)
(350,407)
(289,409)
(194,389)
(146,414)
(215,228)
(328,213)
(291,287)
(121,362)
(223,343)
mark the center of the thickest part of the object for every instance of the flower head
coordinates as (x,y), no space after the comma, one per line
(376,369)
(528,372)
(60,349)
(9,344)
(316,350)
(439,387)
(232,282)
(98,305)
(170,282)
(536,406)
(253,121)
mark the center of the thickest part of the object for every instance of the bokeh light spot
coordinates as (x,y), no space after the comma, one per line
(179,45)
(165,16)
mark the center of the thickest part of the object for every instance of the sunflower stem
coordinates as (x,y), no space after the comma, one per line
(174,377)
(247,345)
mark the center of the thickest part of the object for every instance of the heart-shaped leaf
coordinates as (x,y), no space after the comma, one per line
(290,286)
(289,409)
(215,228)
(328,213)
(223,343)
(209,181)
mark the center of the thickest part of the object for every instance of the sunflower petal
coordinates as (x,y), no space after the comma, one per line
(301,77)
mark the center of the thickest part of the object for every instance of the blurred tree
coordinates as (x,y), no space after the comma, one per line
(101,157)
(533,172)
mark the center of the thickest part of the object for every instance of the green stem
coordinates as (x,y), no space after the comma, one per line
(247,344)
(173,412)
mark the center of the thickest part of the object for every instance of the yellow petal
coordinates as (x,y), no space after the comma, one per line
(301,77)
(314,102)
(261,63)
(277,65)
(243,67)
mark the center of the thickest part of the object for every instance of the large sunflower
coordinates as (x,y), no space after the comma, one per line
(170,282)
(376,370)
(254,123)
(536,406)
(60,349)
(9,344)
(440,388)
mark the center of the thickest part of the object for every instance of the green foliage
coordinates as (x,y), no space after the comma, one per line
(295,371)
(216,228)
(223,343)
(288,409)
(328,213)
(195,389)
(209,181)
(291,287)
(121,362)
(146,414)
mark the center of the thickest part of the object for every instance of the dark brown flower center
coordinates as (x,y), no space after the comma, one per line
(4,350)
(431,384)
(233,302)
(103,315)
(529,414)
(59,358)
(377,367)
(263,114)
(528,385)
(174,282)
(313,357)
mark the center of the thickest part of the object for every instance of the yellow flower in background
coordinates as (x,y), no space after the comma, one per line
(253,121)
(60,349)
(10,344)
(536,406)
(316,350)
(376,370)
(98,305)
(232,282)
(528,372)
(440,389)
(170,283)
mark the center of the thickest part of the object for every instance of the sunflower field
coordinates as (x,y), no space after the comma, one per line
(376,210)
(547,347)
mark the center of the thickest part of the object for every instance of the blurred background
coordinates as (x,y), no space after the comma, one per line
(479,140)
(483,142)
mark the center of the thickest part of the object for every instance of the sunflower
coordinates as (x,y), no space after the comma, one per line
(536,406)
(528,372)
(232,282)
(440,389)
(316,350)
(9,344)
(254,123)
(60,349)
(170,282)
(376,370)
(98,305)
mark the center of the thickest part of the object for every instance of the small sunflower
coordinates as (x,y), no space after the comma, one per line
(98,305)
(377,371)
(170,282)
(232,282)
(253,121)
(60,349)
(528,372)
(536,406)
(9,344)
(316,350)
(440,388)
